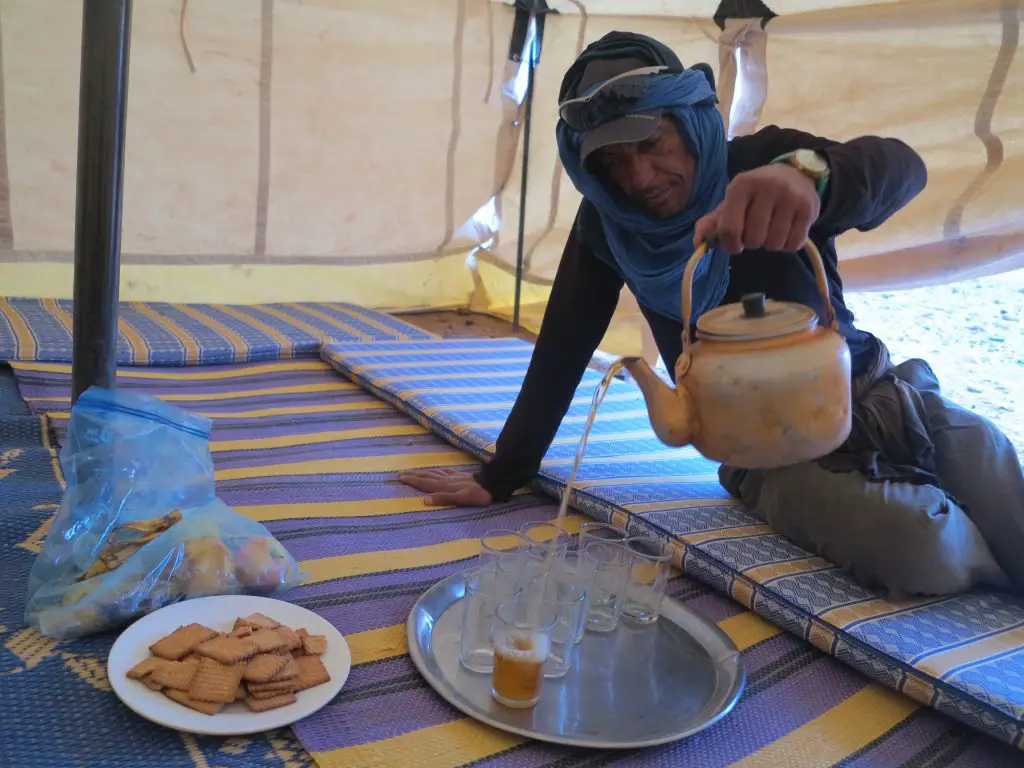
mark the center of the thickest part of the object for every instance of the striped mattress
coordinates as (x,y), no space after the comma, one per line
(314,457)
(155,334)
(963,656)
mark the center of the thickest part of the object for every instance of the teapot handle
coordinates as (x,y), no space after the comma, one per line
(689,334)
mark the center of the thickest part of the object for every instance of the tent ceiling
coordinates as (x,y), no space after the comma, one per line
(359,149)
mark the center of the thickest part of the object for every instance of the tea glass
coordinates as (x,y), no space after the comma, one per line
(485,590)
(607,592)
(522,631)
(650,564)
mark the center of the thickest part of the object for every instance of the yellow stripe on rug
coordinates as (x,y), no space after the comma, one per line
(838,733)
(393,463)
(331,509)
(290,441)
(378,644)
(379,561)
(264,513)
(449,745)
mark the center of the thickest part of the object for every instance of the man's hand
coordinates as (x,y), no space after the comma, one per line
(447,488)
(772,207)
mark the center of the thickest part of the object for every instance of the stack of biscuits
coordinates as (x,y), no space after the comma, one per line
(261,662)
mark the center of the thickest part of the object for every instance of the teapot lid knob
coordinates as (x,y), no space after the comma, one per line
(754,305)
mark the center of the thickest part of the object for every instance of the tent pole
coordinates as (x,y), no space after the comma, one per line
(102,107)
(522,187)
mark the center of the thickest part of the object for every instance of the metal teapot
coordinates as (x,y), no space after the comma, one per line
(759,384)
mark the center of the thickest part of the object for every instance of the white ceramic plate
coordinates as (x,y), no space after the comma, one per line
(220,613)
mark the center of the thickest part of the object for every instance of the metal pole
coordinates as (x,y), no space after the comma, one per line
(522,186)
(102,106)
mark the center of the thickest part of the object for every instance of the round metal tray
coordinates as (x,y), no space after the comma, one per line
(634,687)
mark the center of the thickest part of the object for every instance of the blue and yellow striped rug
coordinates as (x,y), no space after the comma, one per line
(314,457)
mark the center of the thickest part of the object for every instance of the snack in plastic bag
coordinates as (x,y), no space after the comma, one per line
(140,525)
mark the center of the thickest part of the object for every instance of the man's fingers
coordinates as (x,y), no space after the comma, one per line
(732,217)
(412,474)
(425,484)
(761,216)
(779,229)
(432,484)
(799,230)
(446,499)
(705,227)
(442,474)
(421,474)
(469,495)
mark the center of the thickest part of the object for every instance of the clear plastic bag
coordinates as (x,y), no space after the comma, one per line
(140,525)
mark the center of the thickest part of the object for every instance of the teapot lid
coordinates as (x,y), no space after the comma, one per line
(755,317)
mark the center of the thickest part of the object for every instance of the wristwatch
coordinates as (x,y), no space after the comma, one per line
(811,164)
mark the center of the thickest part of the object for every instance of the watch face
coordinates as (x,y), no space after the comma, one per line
(810,161)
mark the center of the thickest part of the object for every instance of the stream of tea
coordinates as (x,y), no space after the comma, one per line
(534,605)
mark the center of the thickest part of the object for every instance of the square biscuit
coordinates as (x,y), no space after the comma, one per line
(267,640)
(174,674)
(144,667)
(257,621)
(289,670)
(290,691)
(151,685)
(227,650)
(264,666)
(182,641)
(292,638)
(314,645)
(206,707)
(312,672)
(272,702)
(215,682)
(274,685)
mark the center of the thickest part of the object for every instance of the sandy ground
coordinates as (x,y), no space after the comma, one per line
(971,333)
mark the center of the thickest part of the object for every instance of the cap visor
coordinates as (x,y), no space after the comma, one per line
(621,130)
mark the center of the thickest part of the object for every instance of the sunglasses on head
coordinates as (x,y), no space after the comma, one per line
(610,98)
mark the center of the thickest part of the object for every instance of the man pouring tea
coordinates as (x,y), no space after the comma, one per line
(924,496)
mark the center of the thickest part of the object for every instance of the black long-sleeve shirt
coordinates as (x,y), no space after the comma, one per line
(870,179)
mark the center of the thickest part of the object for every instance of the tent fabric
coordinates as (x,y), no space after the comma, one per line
(360,150)
(800,707)
(153,334)
(962,655)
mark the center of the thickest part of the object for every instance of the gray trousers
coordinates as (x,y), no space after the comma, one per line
(905,538)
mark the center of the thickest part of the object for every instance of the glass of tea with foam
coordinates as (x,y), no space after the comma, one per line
(522,641)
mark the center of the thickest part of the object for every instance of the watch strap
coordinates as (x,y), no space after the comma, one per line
(820,181)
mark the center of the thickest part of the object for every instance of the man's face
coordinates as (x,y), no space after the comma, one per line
(656,173)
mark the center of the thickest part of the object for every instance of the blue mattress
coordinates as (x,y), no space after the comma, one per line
(156,334)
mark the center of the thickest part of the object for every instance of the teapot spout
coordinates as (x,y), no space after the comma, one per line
(669,409)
